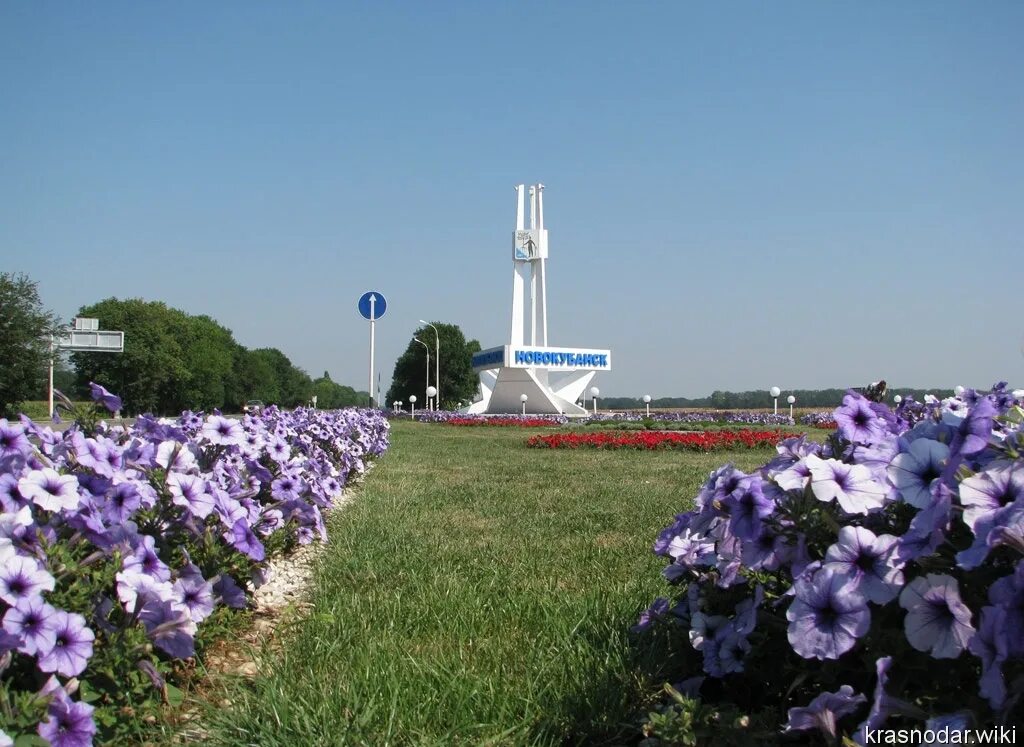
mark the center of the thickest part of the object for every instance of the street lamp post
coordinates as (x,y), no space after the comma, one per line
(427,383)
(412,405)
(594,391)
(791,400)
(437,361)
(775,392)
(431,392)
(897,399)
(647,402)
(523,398)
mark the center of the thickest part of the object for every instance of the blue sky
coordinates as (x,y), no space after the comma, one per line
(739,195)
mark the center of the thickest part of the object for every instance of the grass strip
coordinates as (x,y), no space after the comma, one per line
(476,592)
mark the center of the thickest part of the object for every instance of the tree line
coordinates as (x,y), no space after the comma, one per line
(172,360)
(759,399)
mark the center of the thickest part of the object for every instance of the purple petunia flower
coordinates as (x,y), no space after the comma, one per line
(824,711)
(857,422)
(1002,527)
(746,506)
(287,488)
(11,499)
(869,561)
(196,594)
(68,724)
(986,492)
(990,644)
(189,491)
(223,431)
(973,432)
(72,647)
(242,538)
(144,559)
(171,628)
(136,590)
(937,620)
(746,613)
(175,457)
(852,486)
(1008,594)
(50,490)
(878,712)
(827,616)
(32,621)
(23,578)
(279,449)
(656,611)
(229,592)
(688,550)
(914,471)
(122,501)
(12,440)
(99,394)
(725,652)
(768,550)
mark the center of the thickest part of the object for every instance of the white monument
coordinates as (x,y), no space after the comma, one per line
(552,378)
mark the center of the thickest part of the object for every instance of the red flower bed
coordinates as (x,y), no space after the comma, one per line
(826,425)
(695,441)
(521,422)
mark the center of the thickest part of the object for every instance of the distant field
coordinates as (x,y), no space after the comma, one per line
(477,592)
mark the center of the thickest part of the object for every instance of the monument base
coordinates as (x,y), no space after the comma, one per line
(547,392)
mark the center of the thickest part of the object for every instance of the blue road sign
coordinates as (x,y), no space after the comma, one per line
(372,305)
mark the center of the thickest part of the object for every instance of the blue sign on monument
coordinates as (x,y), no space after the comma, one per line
(372,305)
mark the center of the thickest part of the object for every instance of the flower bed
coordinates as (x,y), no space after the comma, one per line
(450,417)
(695,441)
(695,417)
(823,420)
(121,547)
(872,582)
(681,418)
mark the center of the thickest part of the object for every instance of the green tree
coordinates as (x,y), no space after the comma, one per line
(256,377)
(458,380)
(292,385)
(151,374)
(332,396)
(25,329)
(208,349)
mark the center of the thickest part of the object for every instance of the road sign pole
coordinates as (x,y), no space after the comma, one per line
(373,310)
(50,411)
(372,306)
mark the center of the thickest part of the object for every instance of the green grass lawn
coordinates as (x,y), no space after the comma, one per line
(477,592)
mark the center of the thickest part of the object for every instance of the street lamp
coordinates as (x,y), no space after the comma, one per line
(958,390)
(427,384)
(594,391)
(437,361)
(775,392)
(791,399)
(647,401)
(897,399)
(523,398)
(432,392)
(412,405)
